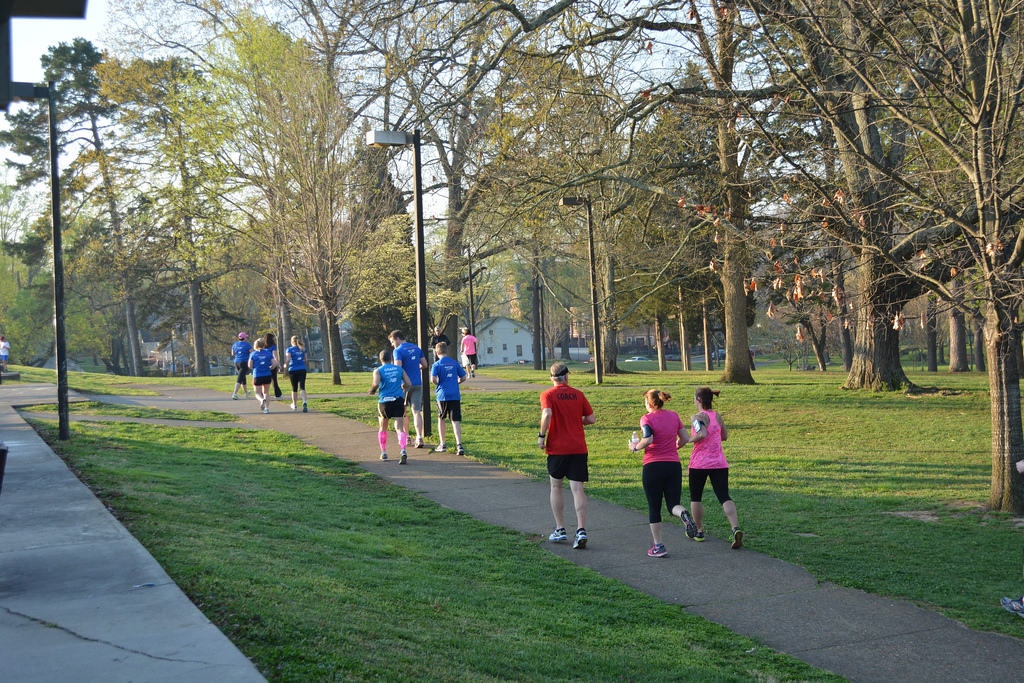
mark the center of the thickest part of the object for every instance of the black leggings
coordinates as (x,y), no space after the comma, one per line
(719,482)
(243,370)
(662,479)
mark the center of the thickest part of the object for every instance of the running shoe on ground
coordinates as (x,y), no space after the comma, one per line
(441,448)
(461,451)
(384,456)
(737,538)
(691,526)
(294,407)
(699,536)
(304,408)
(558,535)
(581,539)
(405,456)
(263,404)
(234,396)
(657,550)
(248,392)
(1015,606)
(420,444)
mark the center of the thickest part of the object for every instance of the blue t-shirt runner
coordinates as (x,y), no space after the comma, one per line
(410,355)
(448,371)
(390,383)
(296,358)
(261,361)
(242,350)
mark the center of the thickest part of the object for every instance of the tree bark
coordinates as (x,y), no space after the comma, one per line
(684,338)
(931,336)
(957,342)
(659,343)
(195,301)
(876,349)
(1007,489)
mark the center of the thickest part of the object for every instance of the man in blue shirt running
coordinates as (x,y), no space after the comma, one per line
(410,358)
(390,383)
(447,374)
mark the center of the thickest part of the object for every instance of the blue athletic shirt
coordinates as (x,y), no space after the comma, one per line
(261,361)
(448,371)
(296,358)
(241,349)
(410,355)
(390,388)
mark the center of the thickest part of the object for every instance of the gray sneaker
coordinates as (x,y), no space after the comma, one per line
(581,539)
(558,535)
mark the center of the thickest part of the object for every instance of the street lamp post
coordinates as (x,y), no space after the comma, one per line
(389,138)
(585,201)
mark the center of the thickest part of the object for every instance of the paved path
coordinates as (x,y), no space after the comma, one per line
(855,634)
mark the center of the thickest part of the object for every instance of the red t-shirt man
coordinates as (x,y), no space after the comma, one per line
(564,412)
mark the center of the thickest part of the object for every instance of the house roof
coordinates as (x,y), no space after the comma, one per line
(68,9)
(490,322)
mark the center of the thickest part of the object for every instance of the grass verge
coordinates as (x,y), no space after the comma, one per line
(320,571)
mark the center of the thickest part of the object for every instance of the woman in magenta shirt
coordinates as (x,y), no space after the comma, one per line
(663,433)
(708,462)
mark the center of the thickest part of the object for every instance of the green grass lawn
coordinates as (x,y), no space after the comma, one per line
(320,571)
(882,492)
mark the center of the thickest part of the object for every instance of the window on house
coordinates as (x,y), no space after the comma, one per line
(504,347)
(490,350)
(519,350)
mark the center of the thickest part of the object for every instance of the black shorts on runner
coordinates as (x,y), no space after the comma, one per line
(391,409)
(241,370)
(298,379)
(450,410)
(573,467)
(260,381)
(471,357)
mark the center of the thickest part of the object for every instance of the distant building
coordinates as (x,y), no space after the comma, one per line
(503,341)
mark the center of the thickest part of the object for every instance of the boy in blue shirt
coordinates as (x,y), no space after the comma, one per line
(447,374)
(390,383)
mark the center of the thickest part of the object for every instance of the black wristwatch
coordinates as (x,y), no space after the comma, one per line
(542,436)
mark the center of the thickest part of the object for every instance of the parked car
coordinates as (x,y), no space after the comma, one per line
(634,359)
(673,356)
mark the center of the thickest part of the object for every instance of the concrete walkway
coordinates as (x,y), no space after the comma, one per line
(855,634)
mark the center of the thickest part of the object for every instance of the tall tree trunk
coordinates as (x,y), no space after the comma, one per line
(1002,341)
(334,345)
(957,342)
(876,349)
(609,331)
(660,344)
(979,345)
(134,349)
(195,301)
(566,340)
(931,333)
(706,332)
(845,326)
(538,333)
(737,344)
(684,338)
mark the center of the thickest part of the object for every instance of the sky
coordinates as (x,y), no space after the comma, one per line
(32,38)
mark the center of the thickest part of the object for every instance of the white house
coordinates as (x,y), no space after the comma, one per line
(504,341)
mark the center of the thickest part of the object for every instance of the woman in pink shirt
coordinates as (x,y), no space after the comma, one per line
(663,433)
(468,350)
(708,462)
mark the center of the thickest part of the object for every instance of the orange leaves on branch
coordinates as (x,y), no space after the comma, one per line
(681,202)
(646,94)
(839,198)
(771,310)
(786,197)
(753,284)
(713,265)
(952,272)
(716,234)
(777,283)
(772,242)
(838,296)
(777,267)
(799,333)
(692,15)
(898,322)
(650,47)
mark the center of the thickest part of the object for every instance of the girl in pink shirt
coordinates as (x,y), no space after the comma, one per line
(708,462)
(663,432)
(469,351)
